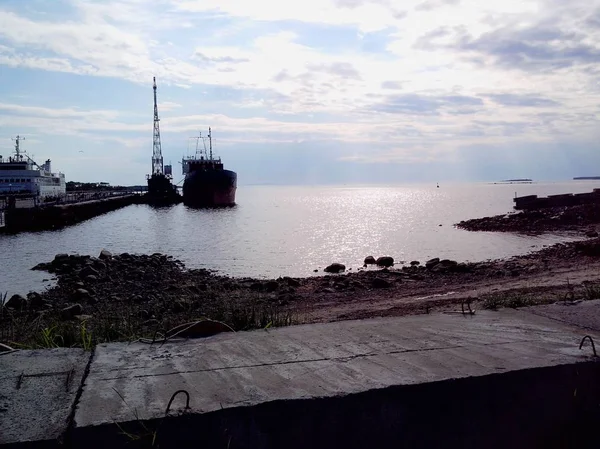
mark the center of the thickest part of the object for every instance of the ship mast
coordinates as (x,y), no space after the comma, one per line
(210,142)
(157,159)
(17,149)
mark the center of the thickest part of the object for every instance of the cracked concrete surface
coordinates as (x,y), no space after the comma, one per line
(320,360)
(37,393)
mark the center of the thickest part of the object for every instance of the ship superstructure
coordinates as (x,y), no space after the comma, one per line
(20,174)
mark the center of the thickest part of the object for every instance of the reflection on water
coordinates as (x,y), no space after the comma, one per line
(278,230)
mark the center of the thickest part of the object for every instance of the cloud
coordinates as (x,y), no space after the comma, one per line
(528,100)
(341,69)
(219,59)
(396,85)
(428,5)
(416,104)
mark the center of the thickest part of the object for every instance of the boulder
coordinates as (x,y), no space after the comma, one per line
(292,282)
(104,254)
(69,312)
(42,266)
(16,302)
(370,260)
(380,283)
(60,258)
(385,261)
(335,268)
(35,300)
(432,263)
(81,294)
(415,263)
(449,264)
(89,271)
(256,286)
(271,286)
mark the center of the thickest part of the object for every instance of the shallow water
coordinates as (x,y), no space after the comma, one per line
(292,230)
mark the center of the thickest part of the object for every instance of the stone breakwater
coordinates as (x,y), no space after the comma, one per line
(582,219)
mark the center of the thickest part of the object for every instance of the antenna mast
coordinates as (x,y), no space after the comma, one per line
(17,149)
(157,159)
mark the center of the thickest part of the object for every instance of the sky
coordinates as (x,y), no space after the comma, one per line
(306,92)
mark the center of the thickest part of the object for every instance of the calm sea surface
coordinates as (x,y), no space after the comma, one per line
(288,230)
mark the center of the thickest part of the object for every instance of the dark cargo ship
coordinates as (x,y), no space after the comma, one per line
(207,183)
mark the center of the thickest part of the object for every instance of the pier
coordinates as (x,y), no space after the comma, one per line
(27,213)
(512,378)
(530,202)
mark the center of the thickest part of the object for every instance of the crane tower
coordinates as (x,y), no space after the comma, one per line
(157,159)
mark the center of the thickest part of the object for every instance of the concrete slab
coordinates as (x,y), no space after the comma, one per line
(37,394)
(134,382)
(584,314)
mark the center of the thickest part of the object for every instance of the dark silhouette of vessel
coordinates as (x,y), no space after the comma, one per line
(207,183)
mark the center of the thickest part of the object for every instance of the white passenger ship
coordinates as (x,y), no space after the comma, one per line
(20,174)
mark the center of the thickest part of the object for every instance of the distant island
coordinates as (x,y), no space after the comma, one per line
(515,181)
(582,178)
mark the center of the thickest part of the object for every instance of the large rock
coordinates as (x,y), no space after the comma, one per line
(42,266)
(104,254)
(89,271)
(370,260)
(432,263)
(69,312)
(380,283)
(271,286)
(35,300)
(385,261)
(16,302)
(81,294)
(415,263)
(335,268)
(292,282)
(60,258)
(449,264)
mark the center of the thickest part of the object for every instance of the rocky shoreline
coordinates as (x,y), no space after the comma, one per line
(581,219)
(125,297)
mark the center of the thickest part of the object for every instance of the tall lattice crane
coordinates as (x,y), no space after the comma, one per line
(157,159)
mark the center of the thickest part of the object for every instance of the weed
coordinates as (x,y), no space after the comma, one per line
(591,291)
(49,338)
(86,337)
(507,299)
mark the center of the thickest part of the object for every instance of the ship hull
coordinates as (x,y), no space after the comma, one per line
(210,188)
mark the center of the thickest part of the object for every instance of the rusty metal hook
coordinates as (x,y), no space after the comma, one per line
(591,341)
(187,402)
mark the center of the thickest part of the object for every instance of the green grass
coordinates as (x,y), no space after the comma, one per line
(49,330)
